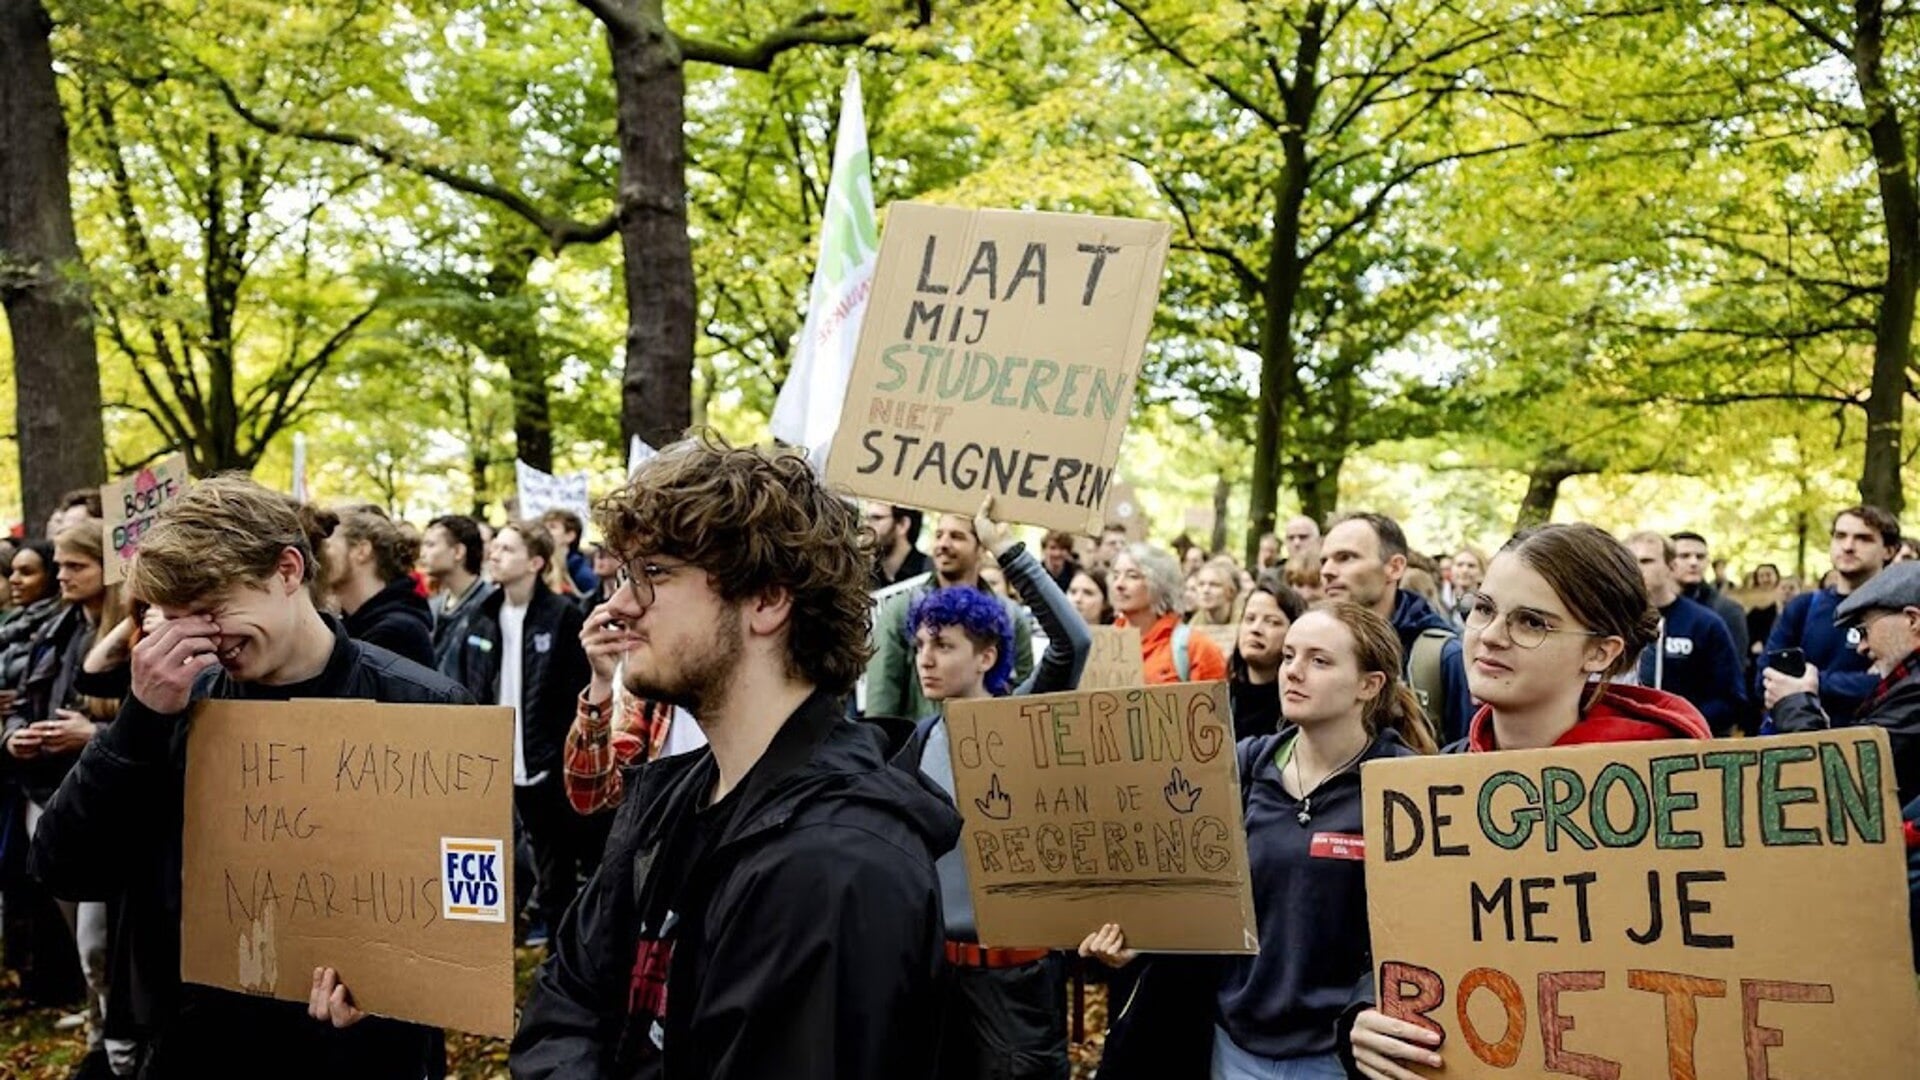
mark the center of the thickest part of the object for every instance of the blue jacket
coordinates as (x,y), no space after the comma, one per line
(1699,663)
(580,569)
(1450,715)
(1806,623)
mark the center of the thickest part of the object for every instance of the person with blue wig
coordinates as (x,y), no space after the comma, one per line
(1002,1012)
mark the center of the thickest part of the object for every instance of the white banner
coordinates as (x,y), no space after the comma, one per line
(540,492)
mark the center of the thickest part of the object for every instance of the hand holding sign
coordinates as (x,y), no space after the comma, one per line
(995,804)
(331,1001)
(1180,793)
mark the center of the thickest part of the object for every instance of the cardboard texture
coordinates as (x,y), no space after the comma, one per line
(374,839)
(998,356)
(129,505)
(1124,510)
(1225,635)
(1104,806)
(1115,660)
(1734,908)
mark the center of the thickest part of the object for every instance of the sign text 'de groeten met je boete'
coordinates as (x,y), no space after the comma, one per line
(1734,908)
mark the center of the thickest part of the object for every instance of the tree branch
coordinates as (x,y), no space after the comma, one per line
(813,28)
(1234,94)
(560,231)
(621,21)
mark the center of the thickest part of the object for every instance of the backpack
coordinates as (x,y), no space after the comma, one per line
(1182,662)
(1425,675)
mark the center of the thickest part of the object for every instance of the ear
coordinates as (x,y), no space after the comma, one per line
(1601,653)
(985,658)
(769,612)
(1395,568)
(1371,686)
(290,571)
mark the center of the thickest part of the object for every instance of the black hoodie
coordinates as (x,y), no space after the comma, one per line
(398,620)
(803,942)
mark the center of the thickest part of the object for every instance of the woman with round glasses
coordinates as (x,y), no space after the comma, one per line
(1561,612)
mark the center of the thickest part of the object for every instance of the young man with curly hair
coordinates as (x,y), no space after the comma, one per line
(767,906)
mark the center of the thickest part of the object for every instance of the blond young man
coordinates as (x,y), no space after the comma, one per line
(230,567)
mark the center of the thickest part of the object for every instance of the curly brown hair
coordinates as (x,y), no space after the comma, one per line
(756,520)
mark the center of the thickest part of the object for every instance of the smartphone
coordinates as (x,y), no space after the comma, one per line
(1789,662)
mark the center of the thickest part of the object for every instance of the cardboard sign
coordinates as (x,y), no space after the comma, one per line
(1124,510)
(373,839)
(540,492)
(998,356)
(1115,659)
(1734,908)
(1104,806)
(129,505)
(1225,635)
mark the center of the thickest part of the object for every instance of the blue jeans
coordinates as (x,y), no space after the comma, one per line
(1232,1063)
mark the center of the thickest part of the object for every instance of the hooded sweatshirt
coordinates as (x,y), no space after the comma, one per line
(1806,623)
(1621,714)
(1412,616)
(791,929)
(398,620)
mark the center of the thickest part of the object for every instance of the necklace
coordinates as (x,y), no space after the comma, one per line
(1305,816)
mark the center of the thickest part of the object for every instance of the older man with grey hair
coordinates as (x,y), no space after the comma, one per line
(1146,587)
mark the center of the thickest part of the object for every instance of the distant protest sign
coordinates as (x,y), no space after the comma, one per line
(999,356)
(129,505)
(373,839)
(540,492)
(1224,635)
(1115,659)
(1734,908)
(1104,806)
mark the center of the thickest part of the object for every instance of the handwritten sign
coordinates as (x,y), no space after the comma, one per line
(374,839)
(129,505)
(1104,806)
(1734,908)
(1115,659)
(540,492)
(999,355)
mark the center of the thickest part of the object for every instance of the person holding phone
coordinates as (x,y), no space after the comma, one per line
(1863,541)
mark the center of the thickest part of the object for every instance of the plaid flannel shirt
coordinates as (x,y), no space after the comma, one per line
(599,746)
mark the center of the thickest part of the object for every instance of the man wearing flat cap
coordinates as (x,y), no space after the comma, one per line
(1887,612)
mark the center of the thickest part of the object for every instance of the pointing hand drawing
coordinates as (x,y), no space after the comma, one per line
(995,804)
(1181,794)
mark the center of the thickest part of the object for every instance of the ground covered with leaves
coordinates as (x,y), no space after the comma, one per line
(31,1049)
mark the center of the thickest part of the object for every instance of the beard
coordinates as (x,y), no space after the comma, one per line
(698,679)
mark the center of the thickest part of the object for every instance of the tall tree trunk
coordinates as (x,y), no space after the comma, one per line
(1543,491)
(1285,271)
(656,392)
(513,341)
(56,372)
(1900,207)
(1317,483)
(1221,490)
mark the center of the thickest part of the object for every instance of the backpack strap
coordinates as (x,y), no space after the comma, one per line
(1425,675)
(1182,662)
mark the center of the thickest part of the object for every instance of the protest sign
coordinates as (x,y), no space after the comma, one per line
(373,839)
(1734,908)
(129,505)
(1225,635)
(1115,659)
(540,492)
(1124,510)
(1103,806)
(999,356)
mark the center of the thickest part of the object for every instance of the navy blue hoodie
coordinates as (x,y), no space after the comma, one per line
(1310,899)
(1450,716)
(1806,623)
(1696,659)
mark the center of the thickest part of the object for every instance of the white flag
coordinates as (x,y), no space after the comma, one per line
(540,492)
(808,411)
(299,467)
(637,452)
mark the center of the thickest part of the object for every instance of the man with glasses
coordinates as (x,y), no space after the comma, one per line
(522,650)
(766,906)
(896,531)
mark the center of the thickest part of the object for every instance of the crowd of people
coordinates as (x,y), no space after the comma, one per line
(733,795)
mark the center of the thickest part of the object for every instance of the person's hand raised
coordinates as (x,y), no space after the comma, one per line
(166,664)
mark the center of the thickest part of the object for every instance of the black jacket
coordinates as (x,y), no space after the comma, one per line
(16,638)
(804,946)
(398,620)
(53,665)
(553,670)
(450,627)
(1897,710)
(113,831)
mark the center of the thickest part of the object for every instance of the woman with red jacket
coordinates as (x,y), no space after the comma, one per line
(1562,611)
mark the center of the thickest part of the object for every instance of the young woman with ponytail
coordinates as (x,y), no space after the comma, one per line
(1276,1014)
(1562,611)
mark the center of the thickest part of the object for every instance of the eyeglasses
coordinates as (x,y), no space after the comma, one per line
(1525,627)
(643,575)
